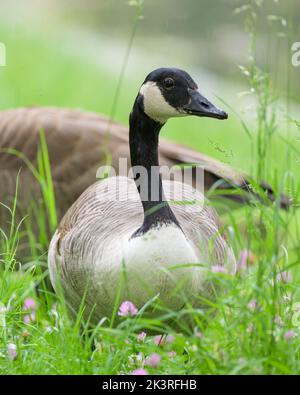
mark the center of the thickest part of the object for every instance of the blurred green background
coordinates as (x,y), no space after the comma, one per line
(70,54)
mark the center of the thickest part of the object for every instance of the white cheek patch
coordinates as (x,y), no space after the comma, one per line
(155,105)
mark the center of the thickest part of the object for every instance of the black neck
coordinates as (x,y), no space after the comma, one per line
(143,141)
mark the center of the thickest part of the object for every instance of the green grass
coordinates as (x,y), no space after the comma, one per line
(236,340)
(229,335)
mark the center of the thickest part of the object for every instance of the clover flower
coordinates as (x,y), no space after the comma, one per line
(127,309)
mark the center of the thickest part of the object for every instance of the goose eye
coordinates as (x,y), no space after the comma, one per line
(169,83)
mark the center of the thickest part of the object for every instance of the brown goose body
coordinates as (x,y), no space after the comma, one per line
(78,143)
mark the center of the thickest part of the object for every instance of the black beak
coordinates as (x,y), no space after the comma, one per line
(201,107)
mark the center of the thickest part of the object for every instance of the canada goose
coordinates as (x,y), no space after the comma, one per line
(115,227)
(75,141)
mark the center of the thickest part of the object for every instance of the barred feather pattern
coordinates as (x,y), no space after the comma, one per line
(93,247)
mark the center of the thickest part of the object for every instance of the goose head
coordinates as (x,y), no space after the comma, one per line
(171,92)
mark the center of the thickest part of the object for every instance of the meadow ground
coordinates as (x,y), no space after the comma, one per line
(252,328)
